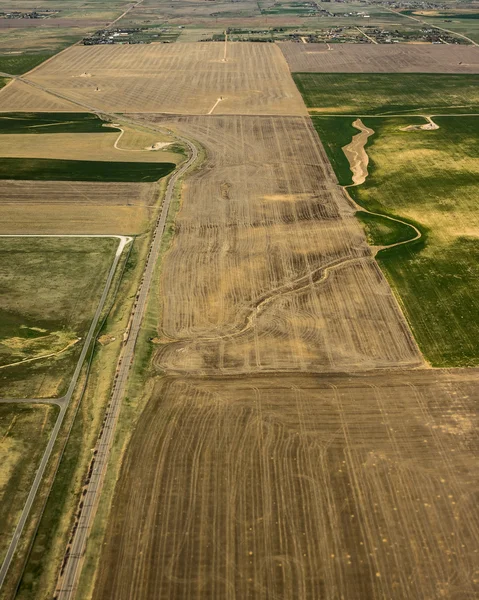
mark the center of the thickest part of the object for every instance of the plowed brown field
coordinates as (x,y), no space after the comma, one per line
(75,207)
(377,58)
(19,96)
(170,78)
(298,487)
(269,268)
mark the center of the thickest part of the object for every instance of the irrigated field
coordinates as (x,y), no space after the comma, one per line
(430,177)
(382,94)
(269,269)
(298,487)
(373,58)
(49,290)
(166,78)
(24,432)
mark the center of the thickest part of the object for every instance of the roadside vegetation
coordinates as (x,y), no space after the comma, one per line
(51,123)
(24,433)
(49,290)
(44,169)
(389,93)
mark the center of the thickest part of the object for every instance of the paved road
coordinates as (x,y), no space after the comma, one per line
(64,403)
(67,583)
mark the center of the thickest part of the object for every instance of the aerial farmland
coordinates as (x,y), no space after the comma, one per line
(238,302)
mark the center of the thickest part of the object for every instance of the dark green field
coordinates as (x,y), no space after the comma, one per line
(17,64)
(384,232)
(384,93)
(335,133)
(52,123)
(429,178)
(49,290)
(81,170)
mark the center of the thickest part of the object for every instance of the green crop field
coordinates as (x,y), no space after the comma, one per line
(81,170)
(384,232)
(429,178)
(52,123)
(385,93)
(17,64)
(49,290)
(24,433)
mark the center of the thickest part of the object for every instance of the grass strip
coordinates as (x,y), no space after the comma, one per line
(44,169)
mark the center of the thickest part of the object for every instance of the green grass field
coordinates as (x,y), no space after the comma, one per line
(429,178)
(17,64)
(52,123)
(49,290)
(384,93)
(81,170)
(384,232)
(24,433)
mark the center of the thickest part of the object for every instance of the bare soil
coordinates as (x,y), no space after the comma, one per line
(171,78)
(381,58)
(356,154)
(298,487)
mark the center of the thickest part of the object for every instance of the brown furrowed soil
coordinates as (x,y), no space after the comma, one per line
(18,96)
(172,78)
(52,207)
(381,58)
(295,445)
(298,487)
(269,269)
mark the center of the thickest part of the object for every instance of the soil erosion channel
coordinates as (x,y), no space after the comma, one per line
(358,161)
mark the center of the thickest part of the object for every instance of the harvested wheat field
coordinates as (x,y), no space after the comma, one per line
(381,58)
(171,78)
(91,146)
(298,487)
(21,97)
(269,268)
(52,207)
